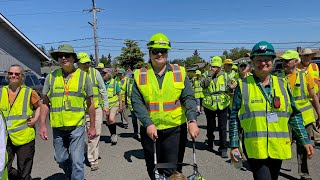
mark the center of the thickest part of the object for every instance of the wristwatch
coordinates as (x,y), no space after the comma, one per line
(192,121)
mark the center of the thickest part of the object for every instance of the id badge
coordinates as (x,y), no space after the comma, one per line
(67,105)
(272,117)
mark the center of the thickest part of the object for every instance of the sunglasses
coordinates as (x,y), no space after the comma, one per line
(12,73)
(157,51)
(243,65)
(64,55)
(230,65)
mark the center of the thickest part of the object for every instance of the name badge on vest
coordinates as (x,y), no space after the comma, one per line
(67,105)
(272,117)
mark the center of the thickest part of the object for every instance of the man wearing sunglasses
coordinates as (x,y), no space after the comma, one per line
(100,99)
(163,100)
(20,106)
(66,89)
(244,69)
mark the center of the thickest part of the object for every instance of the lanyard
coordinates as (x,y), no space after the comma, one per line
(66,85)
(267,96)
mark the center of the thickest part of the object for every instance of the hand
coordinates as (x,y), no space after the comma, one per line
(106,111)
(120,110)
(31,121)
(43,132)
(91,132)
(309,150)
(193,130)
(233,158)
(152,132)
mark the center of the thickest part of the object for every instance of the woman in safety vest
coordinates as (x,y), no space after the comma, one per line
(197,88)
(163,100)
(263,106)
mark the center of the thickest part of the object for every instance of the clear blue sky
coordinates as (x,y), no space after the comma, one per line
(216,22)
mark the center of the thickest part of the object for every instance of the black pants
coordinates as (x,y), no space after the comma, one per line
(25,154)
(171,145)
(302,155)
(222,126)
(265,169)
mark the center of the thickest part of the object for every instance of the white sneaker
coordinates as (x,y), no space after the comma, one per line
(114,139)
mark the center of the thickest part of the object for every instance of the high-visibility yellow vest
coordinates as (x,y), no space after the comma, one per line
(129,93)
(112,95)
(313,69)
(215,96)
(60,115)
(122,86)
(163,105)
(197,88)
(17,115)
(265,139)
(93,76)
(301,97)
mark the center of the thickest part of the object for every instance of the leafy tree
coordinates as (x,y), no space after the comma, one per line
(195,58)
(103,60)
(180,62)
(130,55)
(109,61)
(43,49)
(139,65)
(91,57)
(236,53)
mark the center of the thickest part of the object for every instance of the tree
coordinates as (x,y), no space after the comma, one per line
(103,60)
(109,60)
(130,55)
(236,53)
(91,57)
(51,50)
(195,58)
(180,62)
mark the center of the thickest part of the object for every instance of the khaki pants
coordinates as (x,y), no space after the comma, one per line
(124,114)
(93,144)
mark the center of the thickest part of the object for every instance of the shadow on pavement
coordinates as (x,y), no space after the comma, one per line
(57,176)
(287,176)
(137,153)
(106,139)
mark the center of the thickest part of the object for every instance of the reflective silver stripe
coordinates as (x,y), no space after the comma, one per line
(74,109)
(266,134)
(18,117)
(53,78)
(302,90)
(77,94)
(113,102)
(306,108)
(153,106)
(0,93)
(255,114)
(25,126)
(217,100)
(283,91)
(245,94)
(143,76)
(171,105)
(80,81)
(176,73)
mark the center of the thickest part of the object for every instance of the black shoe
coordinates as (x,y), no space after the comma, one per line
(224,154)
(306,178)
(317,145)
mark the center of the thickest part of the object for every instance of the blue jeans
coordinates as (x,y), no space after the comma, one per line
(69,151)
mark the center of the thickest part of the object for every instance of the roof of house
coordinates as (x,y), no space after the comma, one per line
(18,34)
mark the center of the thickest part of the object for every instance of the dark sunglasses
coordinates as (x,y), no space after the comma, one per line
(157,51)
(243,65)
(230,65)
(16,74)
(64,55)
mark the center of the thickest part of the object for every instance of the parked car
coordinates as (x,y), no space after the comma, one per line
(31,81)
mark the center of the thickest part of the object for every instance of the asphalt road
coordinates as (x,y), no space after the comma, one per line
(125,160)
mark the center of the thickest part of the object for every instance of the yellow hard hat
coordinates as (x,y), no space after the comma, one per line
(216,61)
(198,72)
(100,65)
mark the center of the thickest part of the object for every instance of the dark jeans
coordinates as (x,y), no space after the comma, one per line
(222,127)
(170,148)
(25,154)
(265,169)
(302,153)
(134,122)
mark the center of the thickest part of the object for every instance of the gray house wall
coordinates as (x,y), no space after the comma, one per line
(18,50)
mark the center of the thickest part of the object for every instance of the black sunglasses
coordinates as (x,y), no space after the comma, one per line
(64,55)
(243,65)
(229,65)
(16,74)
(157,51)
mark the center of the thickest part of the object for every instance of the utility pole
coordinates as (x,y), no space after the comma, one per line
(94,25)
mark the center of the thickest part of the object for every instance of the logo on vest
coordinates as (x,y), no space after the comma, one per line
(256,101)
(59,87)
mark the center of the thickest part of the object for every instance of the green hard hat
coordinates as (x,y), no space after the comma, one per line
(262,48)
(159,41)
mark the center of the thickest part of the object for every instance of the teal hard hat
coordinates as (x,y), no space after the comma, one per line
(262,48)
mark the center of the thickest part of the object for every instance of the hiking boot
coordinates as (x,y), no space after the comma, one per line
(114,139)
(94,167)
(224,154)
